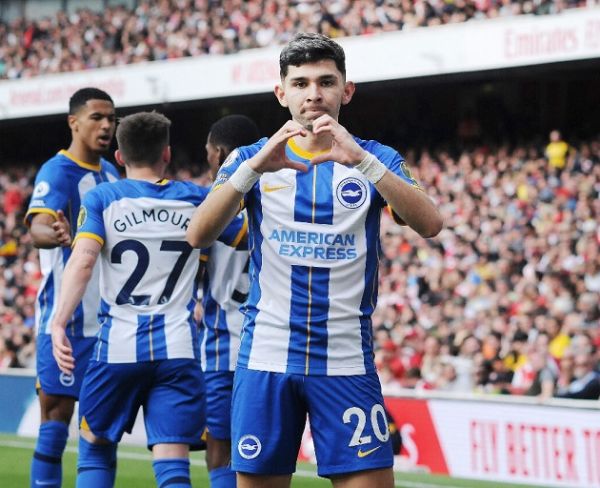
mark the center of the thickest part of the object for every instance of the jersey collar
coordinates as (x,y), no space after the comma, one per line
(302,153)
(79,162)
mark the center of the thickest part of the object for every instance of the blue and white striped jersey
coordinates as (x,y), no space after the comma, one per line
(225,290)
(61,184)
(147,269)
(314,246)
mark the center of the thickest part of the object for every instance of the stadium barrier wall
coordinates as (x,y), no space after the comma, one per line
(20,410)
(497,438)
(472,46)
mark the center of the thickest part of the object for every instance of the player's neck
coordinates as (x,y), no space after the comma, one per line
(82,153)
(152,175)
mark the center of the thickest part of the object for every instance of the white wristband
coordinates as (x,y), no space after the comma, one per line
(372,168)
(244,178)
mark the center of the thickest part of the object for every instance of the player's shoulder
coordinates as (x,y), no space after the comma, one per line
(109,167)
(55,174)
(59,160)
(253,148)
(107,192)
(172,190)
(242,153)
(188,191)
(378,149)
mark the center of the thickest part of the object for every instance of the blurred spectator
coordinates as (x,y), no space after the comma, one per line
(8,357)
(449,379)
(565,375)
(431,364)
(499,378)
(168,29)
(516,357)
(559,338)
(585,384)
(544,378)
(557,151)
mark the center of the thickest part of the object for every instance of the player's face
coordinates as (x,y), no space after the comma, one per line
(213,156)
(314,89)
(94,125)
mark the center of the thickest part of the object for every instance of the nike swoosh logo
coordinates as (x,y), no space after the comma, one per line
(362,454)
(268,188)
(46,483)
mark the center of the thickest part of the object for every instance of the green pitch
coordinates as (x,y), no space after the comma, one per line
(135,470)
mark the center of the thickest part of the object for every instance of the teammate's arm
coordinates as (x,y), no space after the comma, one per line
(76,276)
(48,231)
(213,215)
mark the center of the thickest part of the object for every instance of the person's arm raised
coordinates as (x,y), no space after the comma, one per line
(223,203)
(409,203)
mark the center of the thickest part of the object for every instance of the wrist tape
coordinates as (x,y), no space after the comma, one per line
(244,178)
(372,168)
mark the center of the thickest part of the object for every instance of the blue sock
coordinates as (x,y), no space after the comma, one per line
(96,465)
(222,477)
(46,467)
(174,473)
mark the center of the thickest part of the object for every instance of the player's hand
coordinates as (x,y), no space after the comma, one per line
(62,229)
(272,155)
(344,149)
(62,350)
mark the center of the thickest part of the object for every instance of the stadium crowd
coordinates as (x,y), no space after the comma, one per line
(20,275)
(167,29)
(505,300)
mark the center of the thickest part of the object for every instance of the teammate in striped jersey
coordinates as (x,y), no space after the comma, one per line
(147,349)
(225,289)
(60,185)
(314,196)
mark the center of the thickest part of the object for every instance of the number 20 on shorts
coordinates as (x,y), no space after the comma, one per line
(357,438)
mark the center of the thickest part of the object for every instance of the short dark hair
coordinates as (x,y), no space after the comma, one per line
(233,131)
(310,48)
(80,98)
(520,336)
(142,137)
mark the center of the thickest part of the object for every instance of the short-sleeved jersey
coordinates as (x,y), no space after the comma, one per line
(61,184)
(225,290)
(147,269)
(314,247)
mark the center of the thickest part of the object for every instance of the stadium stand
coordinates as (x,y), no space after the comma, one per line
(509,289)
(20,275)
(167,29)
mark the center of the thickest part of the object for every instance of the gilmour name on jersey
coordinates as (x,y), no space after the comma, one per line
(163,215)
